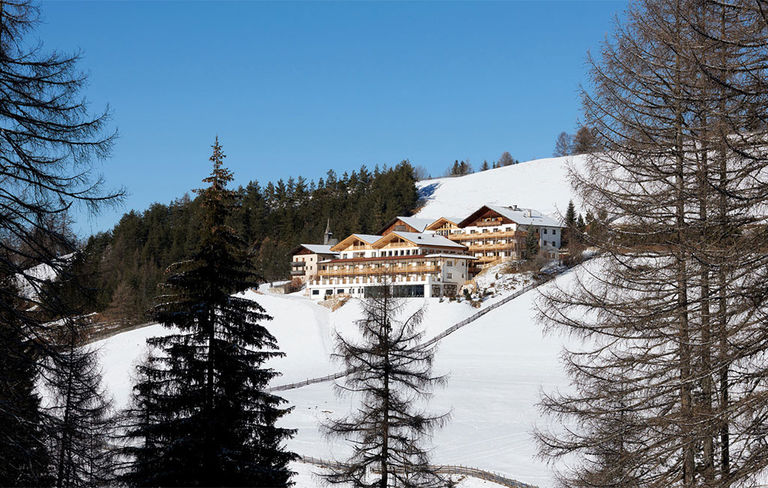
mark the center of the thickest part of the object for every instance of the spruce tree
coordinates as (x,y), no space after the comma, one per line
(82,415)
(570,224)
(201,415)
(24,455)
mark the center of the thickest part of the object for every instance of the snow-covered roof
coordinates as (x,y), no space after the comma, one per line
(428,239)
(453,220)
(369,238)
(522,216)
(317,248)
(417,223)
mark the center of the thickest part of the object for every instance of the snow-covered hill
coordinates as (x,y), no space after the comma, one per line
(541,184)
(496,367)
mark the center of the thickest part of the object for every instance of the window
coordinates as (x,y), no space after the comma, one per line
(449,263)
(545,231)
(315,292)
(449,275)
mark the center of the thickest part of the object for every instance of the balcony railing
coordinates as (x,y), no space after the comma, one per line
(367,271)
(485,235)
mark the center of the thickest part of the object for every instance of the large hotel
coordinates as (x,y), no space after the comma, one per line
(422,257)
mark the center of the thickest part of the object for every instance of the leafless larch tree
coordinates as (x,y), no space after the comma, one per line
(669,381)
(391,374)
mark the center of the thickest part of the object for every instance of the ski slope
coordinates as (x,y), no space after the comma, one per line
(541,184)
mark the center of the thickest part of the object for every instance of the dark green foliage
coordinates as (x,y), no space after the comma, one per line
(531,249)
(126,264)
(24,457)
(201,416)
(460,168)
(81,417)
(570,224)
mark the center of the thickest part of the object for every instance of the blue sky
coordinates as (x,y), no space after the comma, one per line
(298,88)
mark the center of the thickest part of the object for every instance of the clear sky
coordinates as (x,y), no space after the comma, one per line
(298,88)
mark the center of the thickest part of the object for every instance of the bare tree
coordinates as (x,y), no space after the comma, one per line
(391,372)
(506,159)
(563,145)
(48,143)
(584,141)
(672,309)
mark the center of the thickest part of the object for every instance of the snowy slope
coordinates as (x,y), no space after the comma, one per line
(496,367)
(541,184)
(30,281)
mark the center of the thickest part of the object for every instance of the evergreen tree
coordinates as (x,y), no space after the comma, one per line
(24,455)
(391,371)
(485,166)
(531,246)
(82,426)
(570,224)
(201,416)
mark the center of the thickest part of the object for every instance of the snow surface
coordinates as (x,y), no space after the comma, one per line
(496,367)
(30,281)
(541,184)
(308,476)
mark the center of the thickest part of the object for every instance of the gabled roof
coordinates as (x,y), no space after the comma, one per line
(369,238)
(366,238)
(421,239)
(521,216)
(417,223)
(314,249)
(438,222)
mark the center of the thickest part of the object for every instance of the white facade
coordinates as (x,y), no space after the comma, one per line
(414,264)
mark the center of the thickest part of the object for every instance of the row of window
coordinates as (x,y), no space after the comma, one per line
(398,252)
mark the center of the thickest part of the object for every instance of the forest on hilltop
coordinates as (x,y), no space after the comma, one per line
(125,265)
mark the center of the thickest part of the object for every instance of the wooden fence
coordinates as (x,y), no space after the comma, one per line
(447,469)
(450,330)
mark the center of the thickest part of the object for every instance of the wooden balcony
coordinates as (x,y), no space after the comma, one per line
(504,234)
(379,271)
(507,246)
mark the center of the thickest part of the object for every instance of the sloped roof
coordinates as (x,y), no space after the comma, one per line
(369,238)
(521,216)
(417,223)
(453,220)
(422,239)
(314,248)
(366,238)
